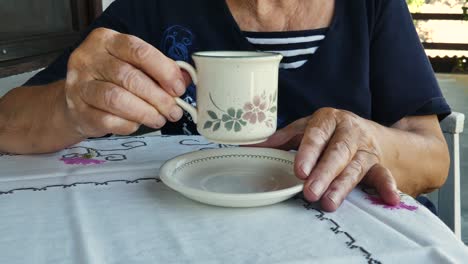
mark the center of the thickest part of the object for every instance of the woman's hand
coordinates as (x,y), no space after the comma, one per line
(337,150)
(116,82)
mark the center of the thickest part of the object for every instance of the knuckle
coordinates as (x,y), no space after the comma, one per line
(129,77)
(113,97)
(342,148)
(315,135)
(139,50)
(355,169)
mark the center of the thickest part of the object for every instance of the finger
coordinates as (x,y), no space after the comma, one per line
(97,123)
(340,151)
(113,99)
(342,185)
(135,81)
(320,128)
(150,60)
(383,181)
(288,137)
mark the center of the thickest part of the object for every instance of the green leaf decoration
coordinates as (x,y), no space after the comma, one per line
(232,112)
(237,127)
(229,125)
(88,156)
(92,153)
(213,115)
(207,125)
(239,113)
(273,109)
(274,96)
(226,118)
(242,122)
(216,126)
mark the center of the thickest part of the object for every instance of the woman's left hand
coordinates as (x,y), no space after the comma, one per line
(336,151)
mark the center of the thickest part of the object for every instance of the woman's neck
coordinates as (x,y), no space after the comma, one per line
(281,15)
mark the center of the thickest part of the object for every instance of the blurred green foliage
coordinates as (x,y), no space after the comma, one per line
(415,4)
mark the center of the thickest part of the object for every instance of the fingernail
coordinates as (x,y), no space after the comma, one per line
(160,121)
(306,168)
(179,88)
(316,188)
(176,113)
(333,196)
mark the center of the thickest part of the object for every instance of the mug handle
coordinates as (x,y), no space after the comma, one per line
(184,105)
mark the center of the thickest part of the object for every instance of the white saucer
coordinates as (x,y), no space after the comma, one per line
(233,177)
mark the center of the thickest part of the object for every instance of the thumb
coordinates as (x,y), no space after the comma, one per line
(382,180)
(287,138)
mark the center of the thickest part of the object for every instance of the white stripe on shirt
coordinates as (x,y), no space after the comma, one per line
(285,40)
(290,53)
(292,65)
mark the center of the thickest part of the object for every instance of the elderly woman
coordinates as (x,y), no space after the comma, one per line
(357,95)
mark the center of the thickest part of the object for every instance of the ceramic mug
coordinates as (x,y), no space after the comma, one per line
(237,95)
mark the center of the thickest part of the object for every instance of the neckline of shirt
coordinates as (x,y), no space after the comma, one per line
(289,34)
(245,44)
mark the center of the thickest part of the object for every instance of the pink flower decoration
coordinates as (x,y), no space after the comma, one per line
(81,161)
(377,201)
(255,111)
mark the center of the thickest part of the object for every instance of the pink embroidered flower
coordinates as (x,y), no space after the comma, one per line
(81,161)
(255,111)
(377,201)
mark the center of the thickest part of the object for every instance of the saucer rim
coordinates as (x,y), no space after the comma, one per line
(172,164)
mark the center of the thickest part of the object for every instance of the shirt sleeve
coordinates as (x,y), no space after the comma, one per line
(402,80)
(111,19)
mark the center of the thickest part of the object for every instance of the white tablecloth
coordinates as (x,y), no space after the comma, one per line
(102,202)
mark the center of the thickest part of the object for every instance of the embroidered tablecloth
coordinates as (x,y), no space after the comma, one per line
(101,201)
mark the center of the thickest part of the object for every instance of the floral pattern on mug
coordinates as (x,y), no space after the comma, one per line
(259,110)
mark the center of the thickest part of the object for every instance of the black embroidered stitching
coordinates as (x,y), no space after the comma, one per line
(98,153)
(123,138)
(66,186)
(195,142)
(8,154)
(337,230)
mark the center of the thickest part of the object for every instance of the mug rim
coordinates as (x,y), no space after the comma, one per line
(236,54)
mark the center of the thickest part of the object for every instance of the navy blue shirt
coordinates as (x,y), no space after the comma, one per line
(370,63)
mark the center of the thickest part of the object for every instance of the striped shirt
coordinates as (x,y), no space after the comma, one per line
(296,46)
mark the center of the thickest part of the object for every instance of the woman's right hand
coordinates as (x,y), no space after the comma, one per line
(115,82)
